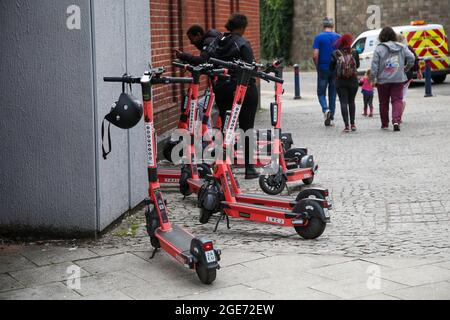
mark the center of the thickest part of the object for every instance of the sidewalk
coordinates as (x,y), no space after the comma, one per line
(388,240)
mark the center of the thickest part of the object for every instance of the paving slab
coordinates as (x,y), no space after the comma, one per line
(239,292)
(43,256)
(115,295)
(349,289)
(7,283)
(402,262)
(54,291)
(417,276)
(14,262)
(435,291)
(113,263)
(108,282)
(287,285)
(343,271)
(46,275)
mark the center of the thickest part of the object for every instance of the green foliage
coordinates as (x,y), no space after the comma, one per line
(276,28)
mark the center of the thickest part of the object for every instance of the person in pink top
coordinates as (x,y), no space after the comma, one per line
(368,93)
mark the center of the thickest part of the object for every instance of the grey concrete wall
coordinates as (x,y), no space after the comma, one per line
(122,38)
(47,177)
(53,178)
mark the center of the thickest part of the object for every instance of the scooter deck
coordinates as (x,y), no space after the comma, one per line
(177,237)
(263,200)
(253,209)
(196,185)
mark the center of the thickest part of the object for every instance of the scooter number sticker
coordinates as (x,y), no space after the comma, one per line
(275,220)
(327,213)
(210,256)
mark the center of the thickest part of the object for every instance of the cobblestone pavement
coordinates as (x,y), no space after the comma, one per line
(391,193)
(390,190)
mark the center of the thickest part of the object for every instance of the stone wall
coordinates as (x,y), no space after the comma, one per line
(351,16)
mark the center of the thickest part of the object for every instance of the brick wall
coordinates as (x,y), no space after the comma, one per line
(170,19)
(351,16)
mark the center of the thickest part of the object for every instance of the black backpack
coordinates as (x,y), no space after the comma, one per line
(227,48)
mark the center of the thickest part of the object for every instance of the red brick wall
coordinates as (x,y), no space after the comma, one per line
(170,20)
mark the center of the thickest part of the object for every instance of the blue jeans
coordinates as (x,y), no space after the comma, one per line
(327,80)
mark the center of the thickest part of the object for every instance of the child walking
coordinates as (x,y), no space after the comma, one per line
(368,93)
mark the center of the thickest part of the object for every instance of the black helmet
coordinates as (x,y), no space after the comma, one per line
(126,112)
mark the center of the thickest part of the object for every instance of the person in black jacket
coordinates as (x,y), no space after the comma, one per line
(345,62)
(233,46)
(201,41)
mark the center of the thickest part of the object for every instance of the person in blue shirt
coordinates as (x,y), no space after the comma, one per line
(323,50)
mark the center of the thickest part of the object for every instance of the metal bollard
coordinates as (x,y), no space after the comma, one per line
(428,86)
(297,82)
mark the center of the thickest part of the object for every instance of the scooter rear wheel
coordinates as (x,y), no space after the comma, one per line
(206,276)
(316,226)
(310,194)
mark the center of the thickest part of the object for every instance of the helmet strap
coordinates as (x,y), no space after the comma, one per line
(105,154)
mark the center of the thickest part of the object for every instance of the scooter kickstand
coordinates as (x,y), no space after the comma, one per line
(155,251)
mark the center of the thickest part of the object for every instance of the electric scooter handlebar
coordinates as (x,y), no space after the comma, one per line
(240,65)
(154,80)
(206,69)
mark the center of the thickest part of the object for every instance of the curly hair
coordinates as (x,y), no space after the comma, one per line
(344,42)
(236,21)
(387,34)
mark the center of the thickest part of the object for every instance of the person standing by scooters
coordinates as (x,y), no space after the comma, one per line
(391,61)
(201,41)
(323,49)
(233,46)
(344,64)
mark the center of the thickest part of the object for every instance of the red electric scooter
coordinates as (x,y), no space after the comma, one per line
(295,164)
(188,121)
(308,214)
(194,253)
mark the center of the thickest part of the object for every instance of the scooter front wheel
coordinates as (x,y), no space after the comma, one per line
(315,226)
(205,274)
(272,184)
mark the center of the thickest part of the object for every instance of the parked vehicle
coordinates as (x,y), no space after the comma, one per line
(428,40)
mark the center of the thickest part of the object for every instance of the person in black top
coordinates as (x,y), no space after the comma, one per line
(233,46)
(201,41)
(345,62)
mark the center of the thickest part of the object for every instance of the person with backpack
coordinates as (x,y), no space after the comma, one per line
(233,46)
(344,64)
(390,63)
(323,48)
(201,40)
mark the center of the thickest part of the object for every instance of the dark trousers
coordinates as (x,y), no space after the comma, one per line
(347,91)
(224,100)
(368,103)
(391,92)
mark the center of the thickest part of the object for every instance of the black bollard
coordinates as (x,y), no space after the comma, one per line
(428,85)
(297,82)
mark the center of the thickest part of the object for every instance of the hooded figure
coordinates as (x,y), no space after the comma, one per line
(388,65)
(202,45)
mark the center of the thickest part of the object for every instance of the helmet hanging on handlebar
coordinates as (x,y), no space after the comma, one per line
(125,113)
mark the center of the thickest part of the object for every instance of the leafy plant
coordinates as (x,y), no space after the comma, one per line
(276,28)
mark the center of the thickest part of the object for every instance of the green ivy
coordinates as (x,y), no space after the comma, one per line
(276,28)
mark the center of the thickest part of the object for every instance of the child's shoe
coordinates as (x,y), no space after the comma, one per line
(354,128)
(346,130)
